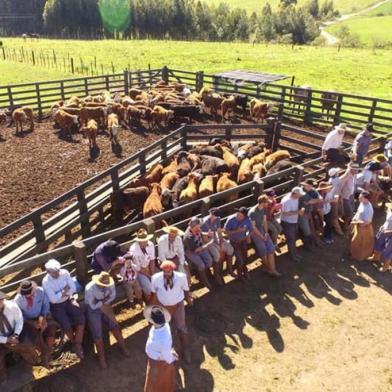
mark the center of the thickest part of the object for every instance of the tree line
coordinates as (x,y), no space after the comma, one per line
(169,19)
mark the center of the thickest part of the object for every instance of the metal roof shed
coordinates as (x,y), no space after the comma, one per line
(239,76)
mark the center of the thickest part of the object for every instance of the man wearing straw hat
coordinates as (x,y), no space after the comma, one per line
(99,294)
(60,288)
(39,326)
(11,326)
(332,143)
(161,370)
(143,253)
(325,191)
(170,289)
(171,247)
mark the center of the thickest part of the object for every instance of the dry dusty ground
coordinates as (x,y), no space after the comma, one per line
(324,326)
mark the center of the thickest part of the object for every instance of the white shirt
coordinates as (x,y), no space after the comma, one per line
(365,177)
(128,272)
(159,344)
(388,222)
(327,205)
(289,204)
(94,295)
(54,287)
(15,319)
(170,296)
(333,140)
(335,182)
(169,250)
(141,259)
(364,213)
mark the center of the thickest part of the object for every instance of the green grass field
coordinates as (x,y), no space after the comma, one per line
(351,70)
(385,9)
(369,29)
(344,6)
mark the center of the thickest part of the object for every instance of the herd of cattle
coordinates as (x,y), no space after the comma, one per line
(200,172)
(153,108)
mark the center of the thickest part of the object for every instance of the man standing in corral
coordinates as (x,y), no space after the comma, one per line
(170,288)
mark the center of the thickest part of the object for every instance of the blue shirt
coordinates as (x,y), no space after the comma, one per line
(362,141)
(207,225)
(233,223)
(40,305)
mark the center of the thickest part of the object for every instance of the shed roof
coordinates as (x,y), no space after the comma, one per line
(239,75)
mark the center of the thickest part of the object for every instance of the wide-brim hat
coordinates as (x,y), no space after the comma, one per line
(52,265)
(169,229)
(380,158)
(148,310)
(324,186)
(298,189)
(103,279)
(142,235)
(26,287)
(342,127)
(333,171)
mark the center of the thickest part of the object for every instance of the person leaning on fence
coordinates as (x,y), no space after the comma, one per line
(329,199)
(60,288)
(107,257)
(171,247)
(143,254)
(128,275)
(383,243)
(261,240)
(161,369)
(272,211)
(170,288)
(330,150)
(362,235)
(39,326)
(197,252)
(362,143)
(309,201)
(289,220)
(346,192)
(220,248)
(334,181)
(99,294)
(11,337)
(238,227)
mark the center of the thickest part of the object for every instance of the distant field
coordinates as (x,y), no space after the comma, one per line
(369,29)
(385,9)
(357,71)
(344,6)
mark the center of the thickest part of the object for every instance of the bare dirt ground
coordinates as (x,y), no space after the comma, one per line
(324,326)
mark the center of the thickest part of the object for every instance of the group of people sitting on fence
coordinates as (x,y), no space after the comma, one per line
(213,247)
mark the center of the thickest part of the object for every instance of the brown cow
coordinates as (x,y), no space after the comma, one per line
(91,113)
(113,127)
(169,180)
(161,115)
(172,167)
(190,192)
(66,121)
(228,105)
(92,131)
(231,161)
(224,183)
(244,172)
(207,186)
(134,198)
(259,110)
(153,204)
(276,157)
(21,115)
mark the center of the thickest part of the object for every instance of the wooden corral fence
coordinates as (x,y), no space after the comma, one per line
(90,206)
(310,106)
(76,256)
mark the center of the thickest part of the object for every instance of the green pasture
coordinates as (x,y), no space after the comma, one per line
(385,9)
(369,29)
(344,6)
(359,71)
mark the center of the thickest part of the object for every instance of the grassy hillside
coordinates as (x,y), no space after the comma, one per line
(385,9)
(324,68)
(344,6)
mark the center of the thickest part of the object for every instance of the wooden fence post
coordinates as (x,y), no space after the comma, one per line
(86,86)
(308,108)
(38,101)
(163,149)
(115,179)
(3,53)
(117,206)
(274,142)
(10,98)
(205,206)
(165,74)
(39,233)
(298,174)
(126,82)
(228,134)
(72,65)
(200,80)
(258,188)
(81,263)
(184,137)
(336,118)
(33,57)
(149,224)
(107,82)
(282,103)
(372,110)
(142,163)
(62,91)
(84,221)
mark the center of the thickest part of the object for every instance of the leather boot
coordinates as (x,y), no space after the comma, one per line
(203,279)
(120,340)
(229,263)
(101,353)
(78,339)
(336,227)
(217,274)
(185,347)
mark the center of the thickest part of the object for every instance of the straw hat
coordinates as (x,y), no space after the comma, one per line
(26,287)
(169,229)
(103,279)
(156,314)
(324,186)
(52,265)
(333,172)
(380,158)
(342,127)
(142,235)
